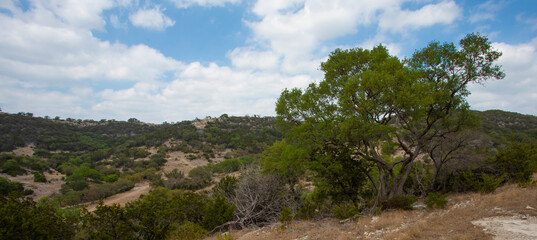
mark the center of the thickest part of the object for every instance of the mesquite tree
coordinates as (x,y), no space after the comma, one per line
(369,99)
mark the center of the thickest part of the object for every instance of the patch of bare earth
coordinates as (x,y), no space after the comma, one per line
(509,213)
(124,197)
(52,186)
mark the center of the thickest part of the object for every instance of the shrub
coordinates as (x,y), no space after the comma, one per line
(436,199)
(217,212)
(518,161)
(226,186)
(286,216)
(188,231)
(39,177)
(111,178)
(400,202)
(7,186)
(345,210)
(490,183)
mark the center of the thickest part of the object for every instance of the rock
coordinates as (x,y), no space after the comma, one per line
(419,206)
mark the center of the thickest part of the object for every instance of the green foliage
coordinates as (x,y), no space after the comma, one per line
(307,208)
(518,160)
(286,216)
(22,218)
(345,210)
(481,182)
(111,178)
(188,231)
(369,99)
(217,212)
(490,183)
(285,160)
(39,177)
(232,165)
(226,186)
(7,186)
(108,222)
(154,216)
(13,165)
(436,199)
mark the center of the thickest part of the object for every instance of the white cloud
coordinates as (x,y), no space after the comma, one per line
(486,11)
(243,58)
(203,3)
(151,19)
(517,92)
(527,20)
(398,20)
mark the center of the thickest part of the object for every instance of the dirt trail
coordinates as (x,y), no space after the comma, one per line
(124,197)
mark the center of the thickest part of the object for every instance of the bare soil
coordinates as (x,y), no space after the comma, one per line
(124,197)
(52,186)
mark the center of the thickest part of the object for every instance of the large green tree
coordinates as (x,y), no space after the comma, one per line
(369,100)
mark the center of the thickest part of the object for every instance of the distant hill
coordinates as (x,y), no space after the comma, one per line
(501,125)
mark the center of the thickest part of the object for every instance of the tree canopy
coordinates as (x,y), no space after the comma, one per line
(369,99)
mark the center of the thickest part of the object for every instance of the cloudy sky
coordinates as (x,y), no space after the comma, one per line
(175,60)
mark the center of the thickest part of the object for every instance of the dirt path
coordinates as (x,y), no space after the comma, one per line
(124,197)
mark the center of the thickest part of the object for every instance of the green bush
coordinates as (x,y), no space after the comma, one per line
(518,161)
(345,210)
(7,186)
(226,186)
(188,231)
(217,212)
(307,209)
(12,167)
(39,177)
(286,216)
(436,199)
(481,182)
(22,218)
(111,178)
(490,183)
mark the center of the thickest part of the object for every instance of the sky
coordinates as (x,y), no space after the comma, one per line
(175,60)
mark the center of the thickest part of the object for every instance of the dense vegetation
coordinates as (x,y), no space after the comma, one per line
(358,142)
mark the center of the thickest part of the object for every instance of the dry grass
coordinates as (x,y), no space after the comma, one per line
(453,222)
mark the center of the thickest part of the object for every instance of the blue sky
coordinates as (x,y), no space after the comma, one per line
(176,60)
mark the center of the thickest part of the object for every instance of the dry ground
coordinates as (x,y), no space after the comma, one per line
(124,197)
(509,213)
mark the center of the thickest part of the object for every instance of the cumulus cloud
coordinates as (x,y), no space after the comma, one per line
(203,3)
(398,20)
(517,92)
(153,19)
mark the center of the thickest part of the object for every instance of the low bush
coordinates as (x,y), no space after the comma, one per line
(436,199)
(39,177)
(188,231)
(345,210)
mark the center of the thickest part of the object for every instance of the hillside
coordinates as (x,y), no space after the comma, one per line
(113,156)
(208,167)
